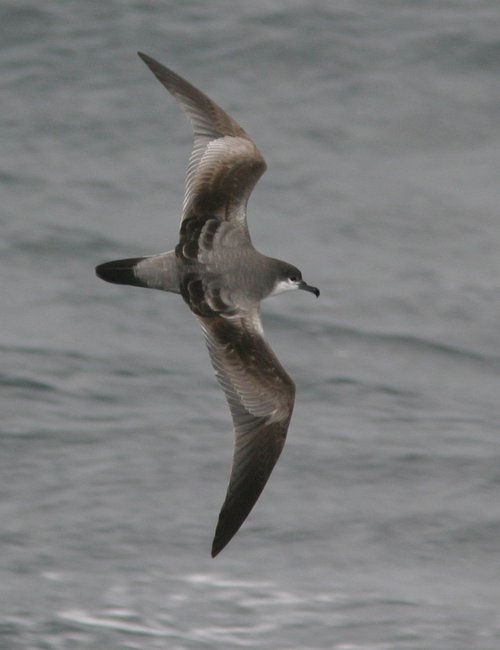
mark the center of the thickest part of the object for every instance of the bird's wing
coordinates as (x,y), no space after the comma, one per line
(260,395)
(224,165)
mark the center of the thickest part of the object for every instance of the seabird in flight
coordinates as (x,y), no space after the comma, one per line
(223,279)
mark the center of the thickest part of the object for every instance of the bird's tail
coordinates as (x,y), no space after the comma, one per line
(121,272)
(153,272)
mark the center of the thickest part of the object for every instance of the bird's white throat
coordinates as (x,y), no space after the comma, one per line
(284,285)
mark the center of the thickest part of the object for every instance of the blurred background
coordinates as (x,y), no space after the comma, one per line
(380,527)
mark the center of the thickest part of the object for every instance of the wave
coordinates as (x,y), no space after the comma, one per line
(389,339)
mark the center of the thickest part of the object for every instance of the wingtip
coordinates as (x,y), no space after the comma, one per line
(225,530)
(229,523)
(145,57)
(218,545)
(163,74)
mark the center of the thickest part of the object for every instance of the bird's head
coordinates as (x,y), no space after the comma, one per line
(289,277)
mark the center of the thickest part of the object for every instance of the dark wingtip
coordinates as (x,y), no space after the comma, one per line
(149,61)
(144,57)
(120,272)
(228,525)
(221,540)
(237,507)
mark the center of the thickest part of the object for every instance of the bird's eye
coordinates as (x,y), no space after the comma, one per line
(293,278)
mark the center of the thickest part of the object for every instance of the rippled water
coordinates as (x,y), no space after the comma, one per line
(379,528)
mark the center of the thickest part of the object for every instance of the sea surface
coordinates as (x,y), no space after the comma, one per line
(380,527)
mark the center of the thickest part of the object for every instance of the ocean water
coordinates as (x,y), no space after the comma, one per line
(380,527)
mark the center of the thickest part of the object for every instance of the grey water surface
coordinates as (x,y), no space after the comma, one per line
(380,527)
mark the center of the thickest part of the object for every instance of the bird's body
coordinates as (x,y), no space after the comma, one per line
(223,279)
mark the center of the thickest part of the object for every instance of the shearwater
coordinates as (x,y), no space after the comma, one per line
(223,279)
